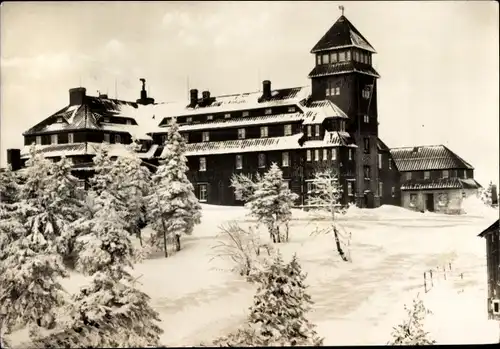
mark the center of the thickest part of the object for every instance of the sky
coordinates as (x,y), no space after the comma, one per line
(438,60)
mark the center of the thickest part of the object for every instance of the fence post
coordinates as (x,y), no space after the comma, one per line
(462,276)
(444,272)
(425,283)
(449,265)
(432,282)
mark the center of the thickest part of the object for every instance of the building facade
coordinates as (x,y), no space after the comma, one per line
(331,124)
(492,237)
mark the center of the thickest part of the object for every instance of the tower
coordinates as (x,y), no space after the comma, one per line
(343,73)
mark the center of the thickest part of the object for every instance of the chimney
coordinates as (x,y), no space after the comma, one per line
(266,90)
(103,95)
(206,96)
(145,100)
(77,95)
(14,158)
(193,98)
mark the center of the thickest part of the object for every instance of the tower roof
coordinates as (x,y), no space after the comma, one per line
(342,34)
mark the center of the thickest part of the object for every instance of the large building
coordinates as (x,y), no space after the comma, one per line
(333,123)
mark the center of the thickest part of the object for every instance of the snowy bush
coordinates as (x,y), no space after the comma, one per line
(277,317)
(324,197)
(242,248)
(268,199)
(173,208)
(411,331)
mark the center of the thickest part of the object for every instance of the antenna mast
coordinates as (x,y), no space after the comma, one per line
(341,8)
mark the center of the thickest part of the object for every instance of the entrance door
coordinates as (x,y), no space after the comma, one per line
(429,202)
(369,200)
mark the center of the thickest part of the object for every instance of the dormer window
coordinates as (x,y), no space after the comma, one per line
(210,117)
(245,114)
(189,119)
(205,136)
(325,59)
(264,131)
(227,116)
(268,111)
(291,109)
(341,56)
(53,139)
(333,57)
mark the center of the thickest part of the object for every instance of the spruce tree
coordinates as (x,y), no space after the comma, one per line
(411,331)
(172,205)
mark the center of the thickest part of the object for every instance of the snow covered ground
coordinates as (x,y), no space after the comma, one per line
(355,303)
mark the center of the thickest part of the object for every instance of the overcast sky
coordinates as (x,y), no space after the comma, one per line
(438,61)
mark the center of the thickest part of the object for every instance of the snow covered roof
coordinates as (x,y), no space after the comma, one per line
(136,131)
(441,183)
(425,158)
(244,145)
(492,228)
(317,111)
(332,139)
(342,34)
(55,150)
(343,68)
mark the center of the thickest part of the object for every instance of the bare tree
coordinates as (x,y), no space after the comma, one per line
(324,197)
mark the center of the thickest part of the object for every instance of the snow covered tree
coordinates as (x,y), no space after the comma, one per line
(271,202)
(244,186)
(489,195)
(30,268)
(173,208)
(278,314)
(110,310)
(411,331)
(325,196)
(9,186)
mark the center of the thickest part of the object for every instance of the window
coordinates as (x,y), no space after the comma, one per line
(337,90)
(356,56)
(71,138)
(348,55)
(59,119)
(105,120)
(262,160)
(309,131)
(366,144)
(446,174)
(350,154)
(316,154)
(205,136)
(342,126)
(288,130)
(366,171)
(227,116)
(325,59)
(327,92)
(465,174)
(369,59)
(241,133)
(286,183)
(129,122)
(390,164)
(318,59)
(325,154)
(202,188)
(380,188)
(189,119)
(264,131)
(366,118)
(341,56)
(350,188)
(380,161)
(239,162)
(308,155)
(186,137)
(443,199)
(118,139)
(408,176)
(464,194)
(163,139)
(285,159)
(334,153)
(203,164)
(427,175)
(53,139)
(309,187)
(333,57)
(38,140)
(245,114)
(393,191)
(413,200)
(291,109)
(316,130)
(268,111)
(210,117)
(106,137)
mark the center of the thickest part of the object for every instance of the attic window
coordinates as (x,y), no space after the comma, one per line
(268,111)
(291,109)
(227,116)
(245,114)
(189,119)
(210,117)
(129,122)
(59,119)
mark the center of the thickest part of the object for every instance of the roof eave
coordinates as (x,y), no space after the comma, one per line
(315,50)
(344,72)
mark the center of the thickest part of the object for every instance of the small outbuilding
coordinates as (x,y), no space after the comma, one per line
(491,234)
